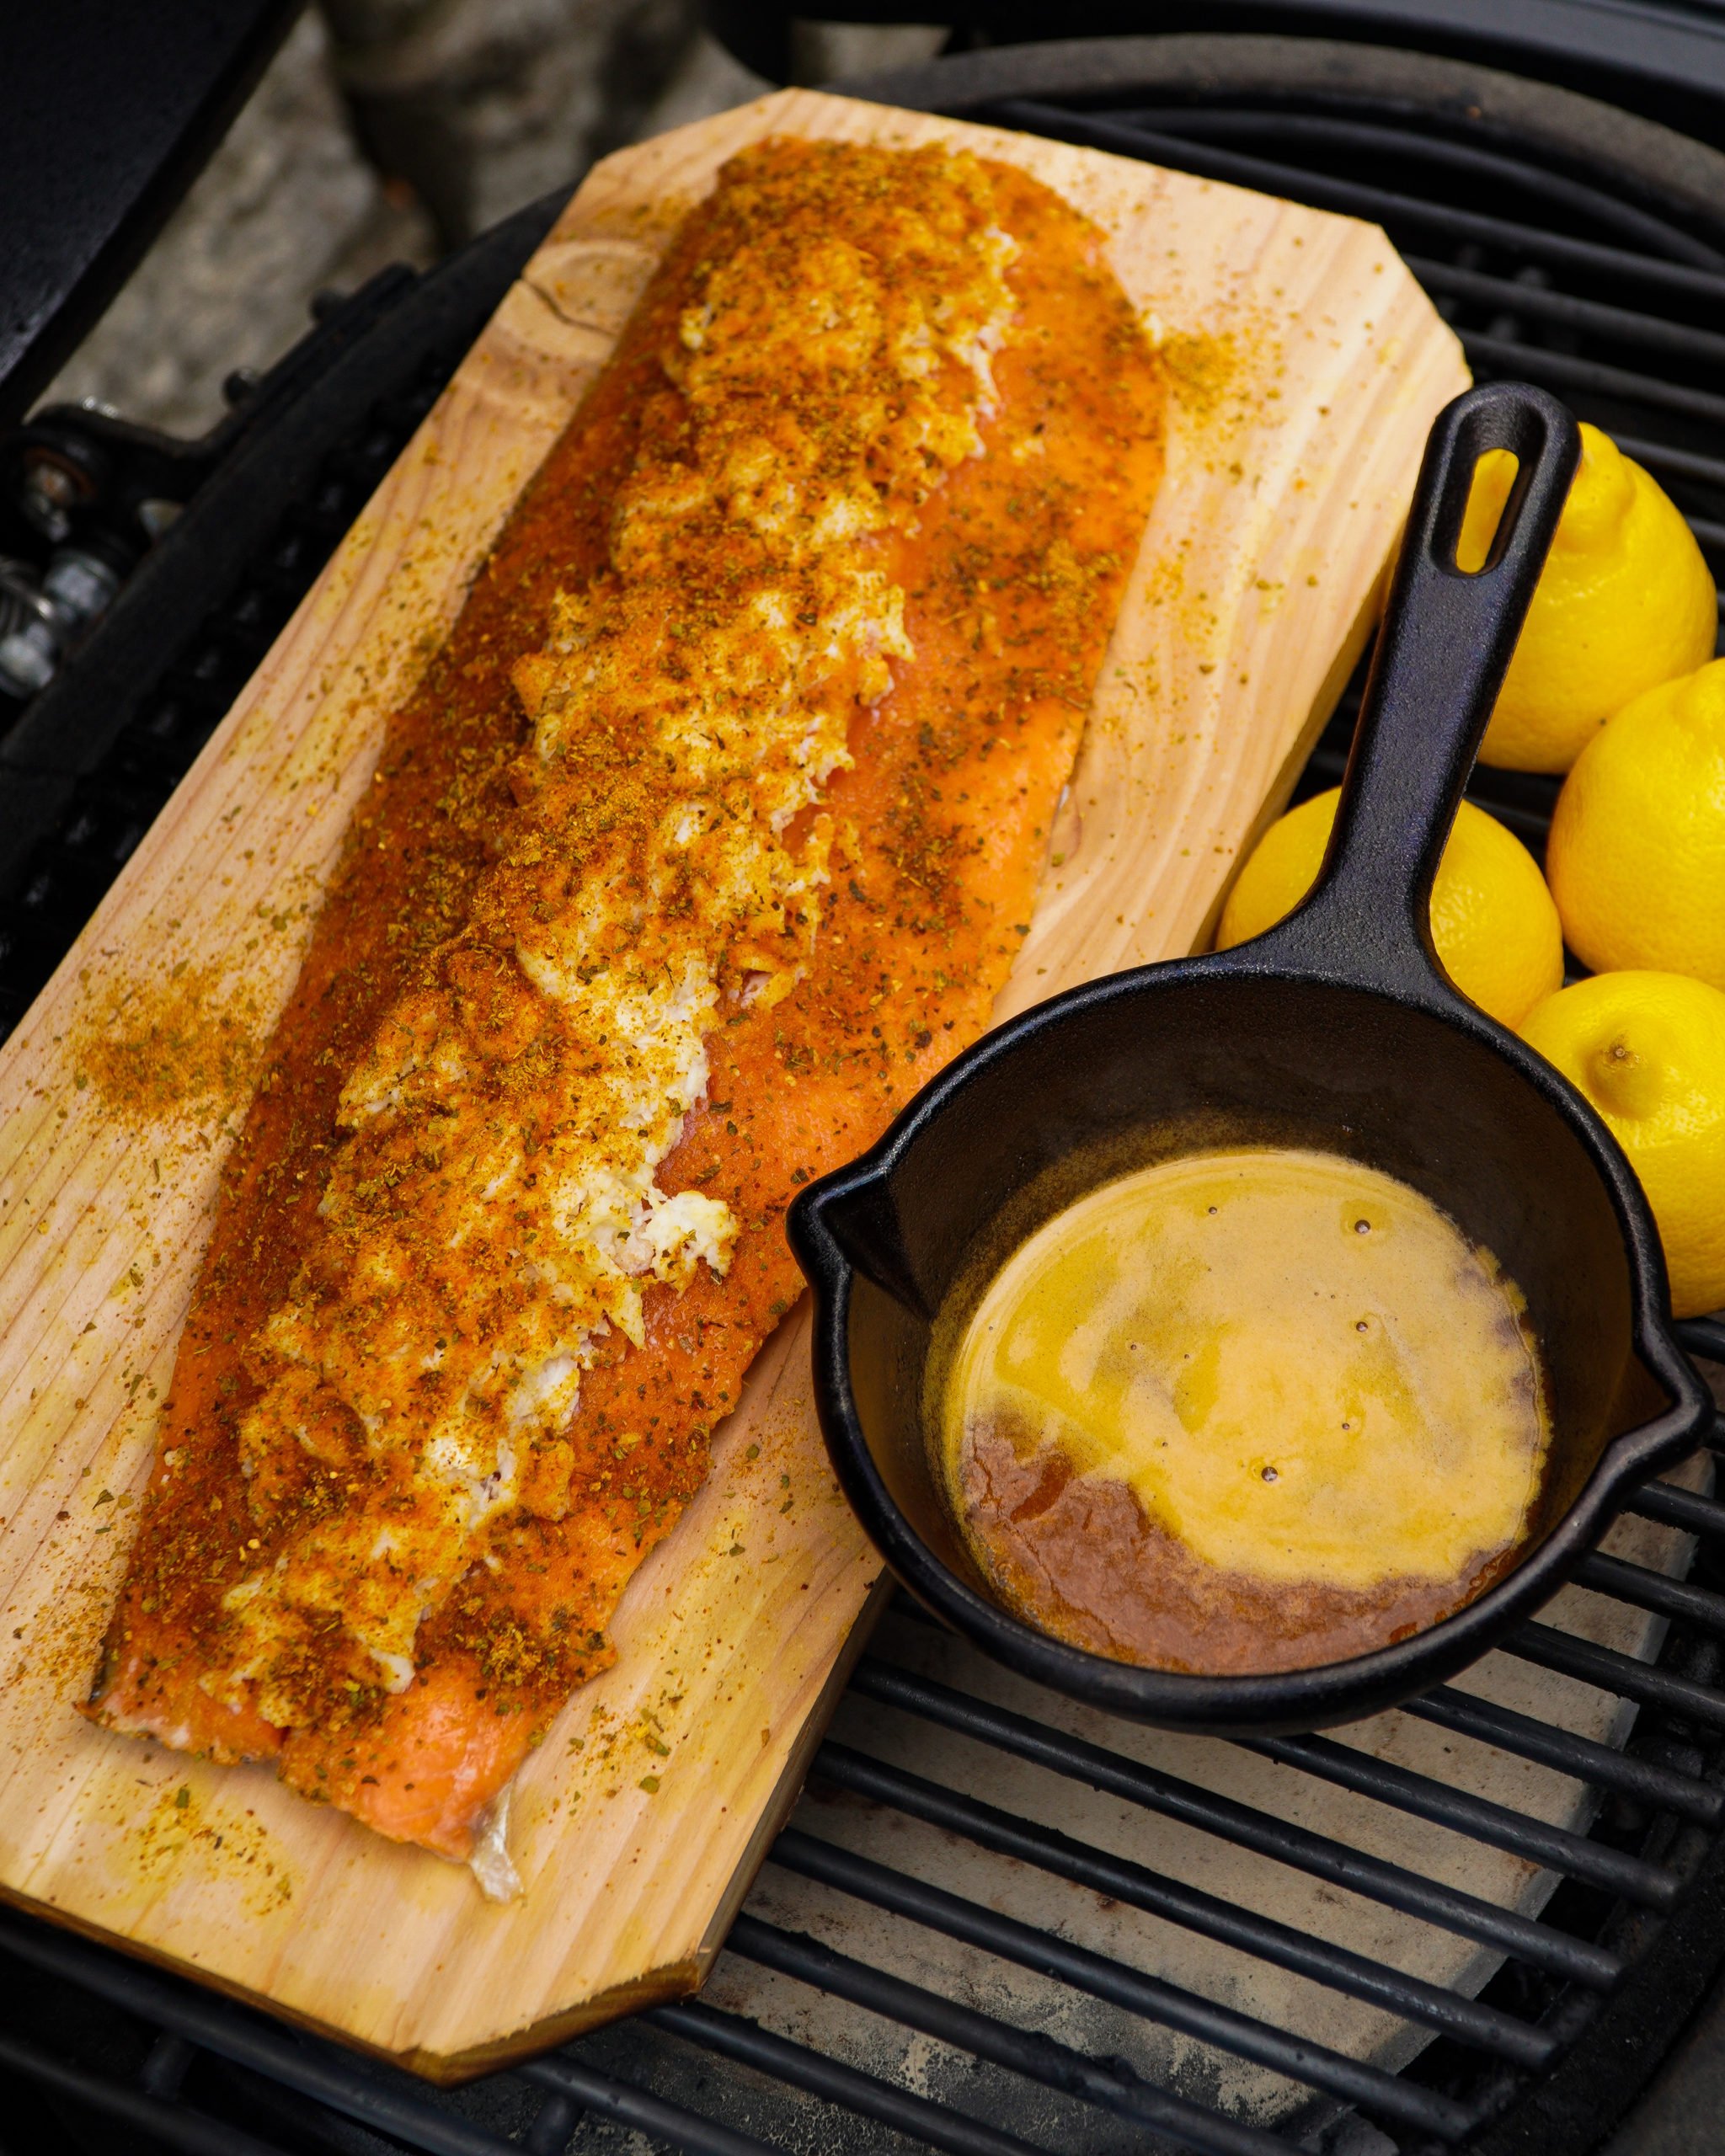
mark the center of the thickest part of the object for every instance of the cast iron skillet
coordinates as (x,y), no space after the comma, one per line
(1337,1029)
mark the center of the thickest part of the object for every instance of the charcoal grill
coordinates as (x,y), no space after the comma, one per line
(995,1925)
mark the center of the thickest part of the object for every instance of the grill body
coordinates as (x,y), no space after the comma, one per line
(953,1945)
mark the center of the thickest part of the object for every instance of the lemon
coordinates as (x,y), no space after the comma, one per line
(1648,1051)
(1625,601)
(1637,854)
(1492,919)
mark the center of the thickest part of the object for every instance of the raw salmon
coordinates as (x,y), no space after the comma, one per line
(709,836)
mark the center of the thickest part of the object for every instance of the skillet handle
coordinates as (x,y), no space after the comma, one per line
(1446,641)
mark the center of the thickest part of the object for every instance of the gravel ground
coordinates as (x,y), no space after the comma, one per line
(388,130)
(287,207)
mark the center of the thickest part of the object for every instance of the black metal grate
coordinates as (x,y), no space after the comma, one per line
(997,1924)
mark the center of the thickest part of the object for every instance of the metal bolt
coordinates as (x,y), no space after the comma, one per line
(77,586)
(20,596)
(49,494)
(27,660)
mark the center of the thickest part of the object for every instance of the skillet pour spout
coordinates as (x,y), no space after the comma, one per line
(1337,1030)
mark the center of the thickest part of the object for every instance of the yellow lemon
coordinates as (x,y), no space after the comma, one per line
(1648,1051)
(1492,919)
(1637,854)
(1625,601)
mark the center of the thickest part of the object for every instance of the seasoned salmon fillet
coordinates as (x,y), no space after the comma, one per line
(709,835)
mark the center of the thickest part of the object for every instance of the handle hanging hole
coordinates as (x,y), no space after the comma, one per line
(1493,476)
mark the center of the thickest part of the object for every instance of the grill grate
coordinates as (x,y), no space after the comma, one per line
(999,1925)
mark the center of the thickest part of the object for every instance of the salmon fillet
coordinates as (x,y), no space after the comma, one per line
(709,837)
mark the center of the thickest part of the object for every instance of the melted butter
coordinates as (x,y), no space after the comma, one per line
(1298,1366)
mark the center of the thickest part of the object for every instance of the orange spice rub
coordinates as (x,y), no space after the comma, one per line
(805,611)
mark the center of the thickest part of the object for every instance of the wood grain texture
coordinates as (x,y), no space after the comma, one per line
(1306,365)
